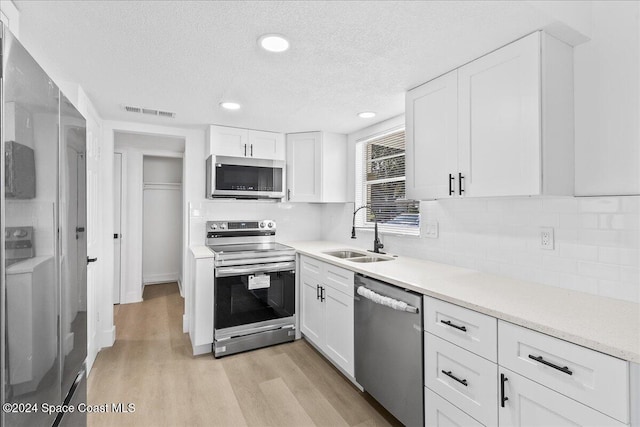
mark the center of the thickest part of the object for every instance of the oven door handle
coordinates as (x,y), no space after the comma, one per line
(250,269)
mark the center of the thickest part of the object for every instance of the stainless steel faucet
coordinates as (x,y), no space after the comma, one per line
(377,244)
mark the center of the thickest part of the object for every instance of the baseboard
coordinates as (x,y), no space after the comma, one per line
(160,278)
(185,323)
(107,337)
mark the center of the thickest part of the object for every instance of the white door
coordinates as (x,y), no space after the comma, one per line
(531,404)
(432,138)
(499,121)
(304,152)
(117,222)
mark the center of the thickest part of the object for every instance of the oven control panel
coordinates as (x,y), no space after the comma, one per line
(231,226)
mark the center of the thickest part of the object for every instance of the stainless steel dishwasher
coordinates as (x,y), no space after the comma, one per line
(388,347)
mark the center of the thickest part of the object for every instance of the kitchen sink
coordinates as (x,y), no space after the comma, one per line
(345,254)
(370,259)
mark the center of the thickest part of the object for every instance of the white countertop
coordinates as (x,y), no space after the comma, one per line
(604,324)
(201,251)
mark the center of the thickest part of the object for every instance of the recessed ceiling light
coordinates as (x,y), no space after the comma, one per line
(273,42)
(366,114)
(230,105)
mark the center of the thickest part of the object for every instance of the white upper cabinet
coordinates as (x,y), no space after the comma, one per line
(316,167)
(432,138)
(501,125)
(266,145)
(237,142)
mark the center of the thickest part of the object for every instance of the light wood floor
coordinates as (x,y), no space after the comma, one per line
(151,366)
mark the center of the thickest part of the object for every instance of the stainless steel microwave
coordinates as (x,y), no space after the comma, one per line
(244,178)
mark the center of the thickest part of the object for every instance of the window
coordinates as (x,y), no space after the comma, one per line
(380,184)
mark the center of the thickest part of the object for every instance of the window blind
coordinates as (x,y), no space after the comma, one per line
(380,184)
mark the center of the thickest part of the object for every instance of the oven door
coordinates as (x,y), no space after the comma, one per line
(253,298)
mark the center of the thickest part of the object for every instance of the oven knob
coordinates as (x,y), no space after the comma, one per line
(214,226)
(223,226)
(270,225)
(262,225)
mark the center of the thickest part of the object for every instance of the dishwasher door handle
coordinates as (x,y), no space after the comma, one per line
(386,301)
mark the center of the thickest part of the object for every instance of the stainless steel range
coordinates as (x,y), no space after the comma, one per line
(254,286)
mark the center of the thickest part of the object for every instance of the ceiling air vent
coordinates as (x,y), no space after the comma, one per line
(149,111)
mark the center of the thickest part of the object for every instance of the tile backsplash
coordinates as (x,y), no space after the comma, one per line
(296,221)
(596,239)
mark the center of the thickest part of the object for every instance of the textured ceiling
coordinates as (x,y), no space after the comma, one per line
(186,57)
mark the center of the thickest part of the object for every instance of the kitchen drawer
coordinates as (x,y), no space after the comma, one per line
(338,278)
(469,329)
(438,412)
(475,391)
(595,379)
(310,266)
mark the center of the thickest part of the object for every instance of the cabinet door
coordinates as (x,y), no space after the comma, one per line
(531,404)
(304,151)
(266,145)
(339,328)
(432,138)
(499,121)
(228,141)
(311,310)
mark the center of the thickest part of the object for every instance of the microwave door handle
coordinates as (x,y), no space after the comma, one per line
(237,271)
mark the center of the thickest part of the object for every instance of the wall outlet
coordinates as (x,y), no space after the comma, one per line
(431,229)
(546,238)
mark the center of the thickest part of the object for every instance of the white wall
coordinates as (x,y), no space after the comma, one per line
(162,219)
(607,102)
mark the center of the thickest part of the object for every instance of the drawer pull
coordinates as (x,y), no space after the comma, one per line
(564,369)
(450,375)
(503,398)
(448,323)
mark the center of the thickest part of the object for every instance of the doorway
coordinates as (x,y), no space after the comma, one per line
(162,219)
(148,218)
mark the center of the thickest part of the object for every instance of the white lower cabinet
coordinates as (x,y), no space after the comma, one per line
(326,317)
(528,403)
(199,303)
(463,378)
(590,377)
(440,413)
(538,380)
